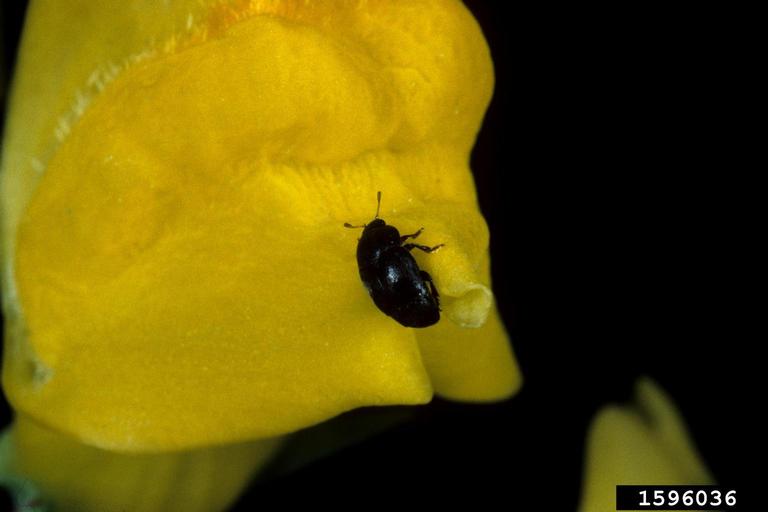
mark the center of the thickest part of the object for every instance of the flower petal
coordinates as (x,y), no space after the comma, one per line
(74,476)
(642,445)
(473,365)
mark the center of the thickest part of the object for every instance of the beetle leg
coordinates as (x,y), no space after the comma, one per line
(422,247)
(428,279)
(414,235)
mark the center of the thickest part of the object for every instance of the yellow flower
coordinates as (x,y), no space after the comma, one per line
(175,177)
(644,444)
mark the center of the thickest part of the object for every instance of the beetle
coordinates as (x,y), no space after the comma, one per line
(397,285)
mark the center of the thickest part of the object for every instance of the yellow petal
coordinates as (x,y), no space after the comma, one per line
(176,261)
(474,365)
(642,444)
(81,478)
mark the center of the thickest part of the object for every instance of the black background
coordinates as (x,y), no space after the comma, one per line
(612,171)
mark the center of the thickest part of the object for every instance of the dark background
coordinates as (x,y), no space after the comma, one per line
(611,170)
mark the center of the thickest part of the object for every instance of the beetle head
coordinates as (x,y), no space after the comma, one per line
(375,223)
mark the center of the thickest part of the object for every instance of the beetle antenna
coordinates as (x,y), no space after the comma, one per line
(348,225)
(378,203)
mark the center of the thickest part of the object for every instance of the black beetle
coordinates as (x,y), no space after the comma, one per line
(394,280)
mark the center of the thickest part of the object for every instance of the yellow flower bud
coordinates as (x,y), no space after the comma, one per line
(644,444)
